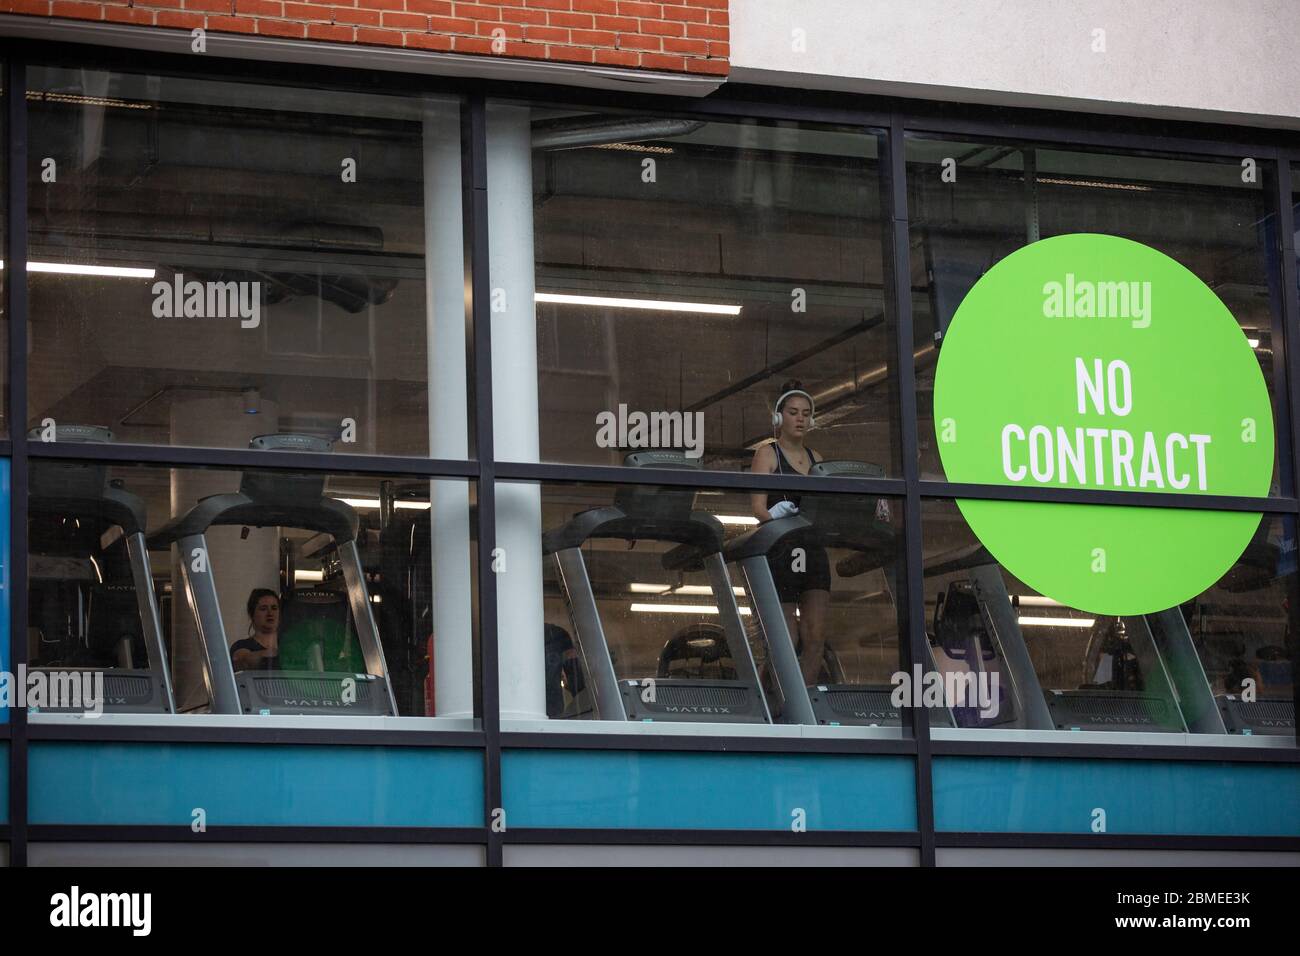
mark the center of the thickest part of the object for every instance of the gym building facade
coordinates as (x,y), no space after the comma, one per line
(799,432)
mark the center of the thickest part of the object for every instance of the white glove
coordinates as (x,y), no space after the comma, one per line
(783,509)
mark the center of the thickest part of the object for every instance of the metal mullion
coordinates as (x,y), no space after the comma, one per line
(608,836)
(180,456)
(875,120)
(15,289)
(1114,841)
(1051,136)
(173,731)
(1102,750)
(915,718)
(744,481)
(478,320)
(1284,383)
(1284,197)
(182,834)
(1099,496)
(578,740)
(683,478)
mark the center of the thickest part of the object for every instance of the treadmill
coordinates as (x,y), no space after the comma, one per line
(92,605)
(1137,673)
(832,521)
(1272,712)
(662,514)
(270,500)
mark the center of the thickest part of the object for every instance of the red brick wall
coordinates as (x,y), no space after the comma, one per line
(679,35)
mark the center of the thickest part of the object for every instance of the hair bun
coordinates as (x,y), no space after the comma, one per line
(791,386)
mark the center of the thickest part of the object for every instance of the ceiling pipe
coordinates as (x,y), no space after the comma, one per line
(577,133)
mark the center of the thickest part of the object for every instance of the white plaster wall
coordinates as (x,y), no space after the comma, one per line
(1234,61)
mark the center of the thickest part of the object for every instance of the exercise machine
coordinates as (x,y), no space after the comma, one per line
(830,521)
(659,514)
(1124,679)
(92,605)
(271,500)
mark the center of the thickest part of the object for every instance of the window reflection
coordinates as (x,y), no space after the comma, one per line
(662,605)
(676,266)
(1221,664)
(210,250)
(972,204)
(259,593)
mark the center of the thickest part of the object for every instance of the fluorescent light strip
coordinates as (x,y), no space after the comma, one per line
(680,609)
(641,588)
(1055,621)
(656,305)
(1134,187)
(737,519)
(374,503)
(1033,600)
(77,269)
(308,575)
(1253,343)
(79,99)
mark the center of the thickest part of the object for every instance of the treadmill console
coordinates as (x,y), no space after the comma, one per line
(312,692)
(692,701)
(75,433)
(291,442)
(1111,710)
(1266,716)
(859,705)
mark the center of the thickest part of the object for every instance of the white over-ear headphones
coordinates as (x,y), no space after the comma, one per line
(776,409)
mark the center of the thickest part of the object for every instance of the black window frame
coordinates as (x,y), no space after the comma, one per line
(895,119)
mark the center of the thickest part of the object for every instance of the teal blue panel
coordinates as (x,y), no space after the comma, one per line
(751,791)
(251,785)
(1037,795)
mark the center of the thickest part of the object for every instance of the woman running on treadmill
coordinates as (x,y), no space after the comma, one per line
(261,649)
(802,580)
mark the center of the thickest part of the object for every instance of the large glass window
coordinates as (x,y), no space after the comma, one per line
(1295,209)
(971,204)
(261,593)
(4,253)
(662,282)
(1220,664)
(208,251)
(677,609)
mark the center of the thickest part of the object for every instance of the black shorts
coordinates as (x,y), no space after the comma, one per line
(816,565)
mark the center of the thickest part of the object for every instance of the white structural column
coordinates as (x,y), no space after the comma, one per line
(444,275)
(238,565)
(514,401)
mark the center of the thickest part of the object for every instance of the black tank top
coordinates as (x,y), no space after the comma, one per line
(783,467)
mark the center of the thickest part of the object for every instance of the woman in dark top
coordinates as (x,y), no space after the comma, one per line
(802,579)
(261,649)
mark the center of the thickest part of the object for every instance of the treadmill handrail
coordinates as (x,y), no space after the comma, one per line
(764,538)
(119,507)
(327,515)
(701,530)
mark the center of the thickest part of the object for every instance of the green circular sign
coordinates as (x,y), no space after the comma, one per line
(1091,361)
